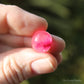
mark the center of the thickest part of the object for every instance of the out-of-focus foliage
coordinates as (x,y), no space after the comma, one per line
(25,82)
(65,19)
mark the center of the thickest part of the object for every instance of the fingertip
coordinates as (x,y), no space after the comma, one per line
(58,44)
(43,66)
(34,62)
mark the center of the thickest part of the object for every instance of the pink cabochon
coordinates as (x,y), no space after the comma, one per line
(41,41)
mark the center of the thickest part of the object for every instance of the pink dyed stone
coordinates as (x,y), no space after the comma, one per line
(41,41)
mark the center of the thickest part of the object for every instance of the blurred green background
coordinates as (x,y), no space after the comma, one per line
(65,19)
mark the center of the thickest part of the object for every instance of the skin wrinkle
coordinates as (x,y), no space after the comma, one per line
(14,74)
(10,73)
(6,70)
(4,75)
(20,76)
(23,78)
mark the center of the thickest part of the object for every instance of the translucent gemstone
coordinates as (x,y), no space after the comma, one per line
(41,41)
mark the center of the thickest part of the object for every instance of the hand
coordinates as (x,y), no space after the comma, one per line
(18,61)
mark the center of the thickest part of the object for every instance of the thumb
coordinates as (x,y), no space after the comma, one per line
(23,63)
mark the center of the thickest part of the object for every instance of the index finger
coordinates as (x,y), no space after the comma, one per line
(17,21)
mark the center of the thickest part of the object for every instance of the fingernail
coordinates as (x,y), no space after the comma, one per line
(42,66)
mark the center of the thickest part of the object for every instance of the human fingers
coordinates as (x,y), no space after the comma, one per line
(20,64)
(17,21)
(58,43)
(5,48)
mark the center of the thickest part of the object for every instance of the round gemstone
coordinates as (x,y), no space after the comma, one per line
(41,41)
